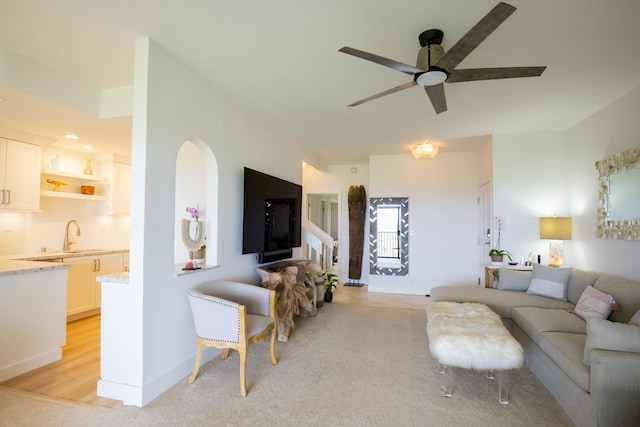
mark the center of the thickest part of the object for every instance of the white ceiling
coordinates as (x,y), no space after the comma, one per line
(280,58)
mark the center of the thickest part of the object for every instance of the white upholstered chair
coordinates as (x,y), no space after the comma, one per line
(232,315)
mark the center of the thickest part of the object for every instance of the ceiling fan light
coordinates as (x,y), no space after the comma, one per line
(432,78)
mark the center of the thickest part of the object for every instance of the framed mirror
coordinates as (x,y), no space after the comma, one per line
(389,236)
(619,196)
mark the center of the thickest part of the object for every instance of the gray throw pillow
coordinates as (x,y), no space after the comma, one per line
(635,320)
(549,282)
(606,335)
(513,280)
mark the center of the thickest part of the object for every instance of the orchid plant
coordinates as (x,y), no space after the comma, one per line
(497,250)
(194,212)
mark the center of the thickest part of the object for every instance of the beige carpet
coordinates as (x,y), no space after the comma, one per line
(350,366)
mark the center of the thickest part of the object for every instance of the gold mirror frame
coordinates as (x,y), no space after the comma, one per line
(627,229)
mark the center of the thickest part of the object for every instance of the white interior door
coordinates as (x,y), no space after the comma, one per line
(484,228)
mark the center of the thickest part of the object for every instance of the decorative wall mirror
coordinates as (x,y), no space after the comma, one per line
(389,236)
(619,196)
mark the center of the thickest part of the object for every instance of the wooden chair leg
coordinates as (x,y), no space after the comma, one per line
(272,347)
(243,370)
(225,354)
(192,378)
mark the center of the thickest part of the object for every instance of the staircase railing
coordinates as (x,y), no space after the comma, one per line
(317,246)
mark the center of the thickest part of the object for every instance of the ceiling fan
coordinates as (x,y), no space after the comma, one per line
(434,66)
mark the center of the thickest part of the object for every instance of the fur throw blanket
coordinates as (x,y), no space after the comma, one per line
(471,336)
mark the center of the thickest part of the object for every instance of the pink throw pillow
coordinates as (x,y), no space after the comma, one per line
(594,303)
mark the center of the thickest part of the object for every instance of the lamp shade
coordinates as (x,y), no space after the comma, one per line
(555,228)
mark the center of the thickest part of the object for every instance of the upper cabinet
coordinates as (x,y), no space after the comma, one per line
(19,175)
(118,172)
(121,186)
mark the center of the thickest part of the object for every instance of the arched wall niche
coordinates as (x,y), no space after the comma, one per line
(196,186)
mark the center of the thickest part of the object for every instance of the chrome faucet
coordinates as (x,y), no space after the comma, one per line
(67,241)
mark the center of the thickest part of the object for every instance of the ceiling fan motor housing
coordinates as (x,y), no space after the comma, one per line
(428,56)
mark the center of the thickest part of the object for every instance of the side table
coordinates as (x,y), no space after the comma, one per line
(491,272)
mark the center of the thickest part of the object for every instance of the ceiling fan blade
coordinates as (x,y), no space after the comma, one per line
(399,66)
(475,36)
(436,95)
(386,92)
(473,74)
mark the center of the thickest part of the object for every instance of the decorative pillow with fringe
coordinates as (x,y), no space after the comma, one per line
(594,303)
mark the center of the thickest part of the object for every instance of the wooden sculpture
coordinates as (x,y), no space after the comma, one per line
(56,184)
(291,298)
(357,201)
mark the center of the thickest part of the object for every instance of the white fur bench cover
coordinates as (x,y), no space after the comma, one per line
(471,336)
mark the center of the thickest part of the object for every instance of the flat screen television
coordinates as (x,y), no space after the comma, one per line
(271,216)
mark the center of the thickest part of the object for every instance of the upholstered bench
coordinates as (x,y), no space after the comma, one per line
(471,336)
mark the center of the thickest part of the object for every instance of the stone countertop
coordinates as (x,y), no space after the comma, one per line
(13,266)
(49,255)
(42,261)
(114,278)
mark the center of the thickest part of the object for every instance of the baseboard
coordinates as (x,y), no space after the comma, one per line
(26,365)
(142,395)
(127,393)
(84,314)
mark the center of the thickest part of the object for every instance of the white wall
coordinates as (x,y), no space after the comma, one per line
(613,129)
(547,173)
(530,180)
(151,343)
(442,196)
(442,208)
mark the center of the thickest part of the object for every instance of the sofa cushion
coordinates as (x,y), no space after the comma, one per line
(514,280)
(594,303)
(605,335)
(535,321)
(626,292)
(549,282)
(635,320)
(498,300)
(578,282)
(566,350)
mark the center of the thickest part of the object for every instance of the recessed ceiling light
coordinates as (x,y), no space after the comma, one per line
(71,136)
(87,147)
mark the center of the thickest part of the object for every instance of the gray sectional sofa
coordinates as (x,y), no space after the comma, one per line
(599,386)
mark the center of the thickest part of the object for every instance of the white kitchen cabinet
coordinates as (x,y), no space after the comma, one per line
(83,291)
(121,189)
(81,286)
(19,175)
(107,264)
(118,173)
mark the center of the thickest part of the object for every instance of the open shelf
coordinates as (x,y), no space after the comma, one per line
(66,195)
(74,175)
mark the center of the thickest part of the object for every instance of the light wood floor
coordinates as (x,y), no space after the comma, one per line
(75,377)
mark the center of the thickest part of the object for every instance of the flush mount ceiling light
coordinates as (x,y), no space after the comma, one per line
(70,136)
(426,150)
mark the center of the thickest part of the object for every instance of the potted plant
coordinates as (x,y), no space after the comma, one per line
(330,283)
(497,255)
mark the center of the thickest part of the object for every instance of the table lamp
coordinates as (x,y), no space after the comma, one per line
(555,229)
